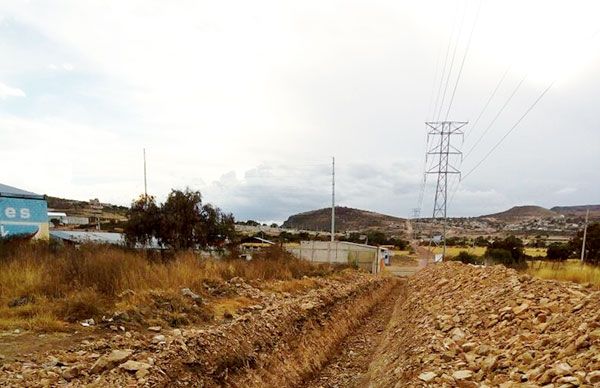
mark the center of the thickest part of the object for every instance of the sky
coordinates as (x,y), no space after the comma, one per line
(249,101)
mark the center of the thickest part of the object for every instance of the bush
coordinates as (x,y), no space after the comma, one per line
(592,244)
(558,252)
(508,251)
(468,258)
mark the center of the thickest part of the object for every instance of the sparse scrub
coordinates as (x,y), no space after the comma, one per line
(46,286)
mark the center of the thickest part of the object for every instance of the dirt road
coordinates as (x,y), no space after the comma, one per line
(347,368)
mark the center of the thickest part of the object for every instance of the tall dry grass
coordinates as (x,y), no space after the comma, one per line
(570,270)
(69,283)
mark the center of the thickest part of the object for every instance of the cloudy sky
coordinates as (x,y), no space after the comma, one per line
(247,101)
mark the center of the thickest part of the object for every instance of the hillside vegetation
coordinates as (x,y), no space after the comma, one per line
(346,219)
(522,212)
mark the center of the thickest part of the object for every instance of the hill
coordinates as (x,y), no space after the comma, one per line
(346,219)
(522,212)
(75,207)
(578,211)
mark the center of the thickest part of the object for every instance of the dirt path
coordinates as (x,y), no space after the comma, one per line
(349,366)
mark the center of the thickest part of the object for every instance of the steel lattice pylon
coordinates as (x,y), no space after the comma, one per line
(442,151)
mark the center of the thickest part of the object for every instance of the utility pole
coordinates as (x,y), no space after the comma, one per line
(145,182)
(587,214)
(442,152)
(333,199)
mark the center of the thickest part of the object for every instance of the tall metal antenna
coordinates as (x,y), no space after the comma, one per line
(442,151)
(145,182)
(587,215)
(333,199)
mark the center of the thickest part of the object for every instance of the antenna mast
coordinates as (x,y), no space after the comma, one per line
(145,182)
(333,199)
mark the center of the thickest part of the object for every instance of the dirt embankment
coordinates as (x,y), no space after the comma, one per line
(460,325)
(282,340)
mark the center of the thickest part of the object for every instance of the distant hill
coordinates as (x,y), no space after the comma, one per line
(578,211)
(522,212)
(75,207)
(346,219)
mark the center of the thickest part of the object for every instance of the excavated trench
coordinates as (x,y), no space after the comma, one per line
(308,338)
(287,347)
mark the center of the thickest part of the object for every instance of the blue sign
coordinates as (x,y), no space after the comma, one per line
(21,216)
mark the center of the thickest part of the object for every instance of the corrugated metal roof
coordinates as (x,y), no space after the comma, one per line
(81,237)
(9,191)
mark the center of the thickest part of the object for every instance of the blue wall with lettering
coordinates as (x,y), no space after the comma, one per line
(22,216)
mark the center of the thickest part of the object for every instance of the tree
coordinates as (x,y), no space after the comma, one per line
(182,222)
(508,251)
(558,252)
(180,219)
(592,243)
(481,241)
(143,221)
(216,228)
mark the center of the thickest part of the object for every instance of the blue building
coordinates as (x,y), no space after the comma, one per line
(22,214)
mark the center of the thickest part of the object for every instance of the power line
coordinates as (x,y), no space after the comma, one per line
(496,117)
(487,103)
(451,63)
(509,131)
(435,108)
(464,59)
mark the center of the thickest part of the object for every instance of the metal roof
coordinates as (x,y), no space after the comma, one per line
(81,237)
(9,191)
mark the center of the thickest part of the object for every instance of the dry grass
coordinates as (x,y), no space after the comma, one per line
(480,251)
(571,270)
(72,284)
(454,251)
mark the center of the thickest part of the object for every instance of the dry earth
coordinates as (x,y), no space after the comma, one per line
(467,326)
(349,366)
(451,325)
(281,340)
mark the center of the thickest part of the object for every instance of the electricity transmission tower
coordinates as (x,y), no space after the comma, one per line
(416,214)
(442,151)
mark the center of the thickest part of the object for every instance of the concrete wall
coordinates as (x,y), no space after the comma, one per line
(362,256)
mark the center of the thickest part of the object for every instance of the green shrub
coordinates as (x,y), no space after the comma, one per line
(468,258)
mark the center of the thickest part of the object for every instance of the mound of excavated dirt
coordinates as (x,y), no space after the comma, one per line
(461,325)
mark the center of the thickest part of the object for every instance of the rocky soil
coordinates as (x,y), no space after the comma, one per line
(281,340)
(467,326)
(350,364)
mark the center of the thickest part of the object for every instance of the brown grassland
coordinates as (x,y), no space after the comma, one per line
(54,288)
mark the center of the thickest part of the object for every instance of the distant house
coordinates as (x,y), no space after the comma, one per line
(56,217)
(22,214)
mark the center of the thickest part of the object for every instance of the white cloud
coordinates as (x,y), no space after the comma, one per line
(566,190)
(257,88)
(7,91)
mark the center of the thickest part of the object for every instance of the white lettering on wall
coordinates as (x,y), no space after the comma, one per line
(10,212)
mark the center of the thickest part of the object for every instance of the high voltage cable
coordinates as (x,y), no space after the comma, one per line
(496,117)
(464,59)
(435,108)
(487,103)
(509,131)
(451,63)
